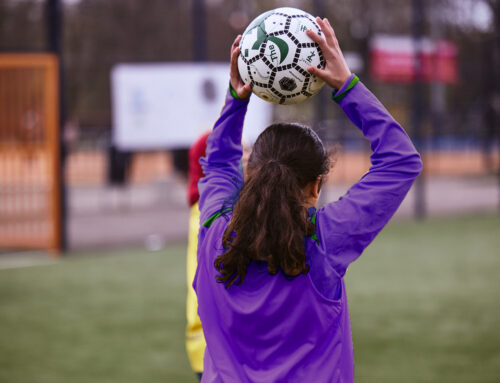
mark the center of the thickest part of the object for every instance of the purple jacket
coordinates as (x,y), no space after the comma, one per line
(277,329)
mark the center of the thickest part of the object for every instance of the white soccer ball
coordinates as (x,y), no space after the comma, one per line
(275,53)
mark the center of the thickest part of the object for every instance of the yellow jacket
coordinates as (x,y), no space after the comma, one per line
(195,341)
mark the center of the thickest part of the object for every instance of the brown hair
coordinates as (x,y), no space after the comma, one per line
(270,218)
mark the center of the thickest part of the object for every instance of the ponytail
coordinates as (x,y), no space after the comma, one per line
(270,218)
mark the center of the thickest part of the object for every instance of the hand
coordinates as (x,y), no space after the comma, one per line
(242,90)
(336,71)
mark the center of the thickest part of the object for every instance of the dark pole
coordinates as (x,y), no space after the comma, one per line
(418,24)
(320,110)
(437,88)
(54,20)
(199,47)
(199,31)
(320,102)
(496,74)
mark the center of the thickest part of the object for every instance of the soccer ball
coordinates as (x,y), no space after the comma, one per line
(275,53)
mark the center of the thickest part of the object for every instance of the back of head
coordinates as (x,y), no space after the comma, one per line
(270,217)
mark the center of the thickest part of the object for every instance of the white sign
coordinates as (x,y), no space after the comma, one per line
(167,106)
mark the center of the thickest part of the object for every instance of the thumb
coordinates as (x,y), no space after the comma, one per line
(321,73)
(244,91)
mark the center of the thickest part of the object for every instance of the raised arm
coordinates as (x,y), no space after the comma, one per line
(221,165)
(347,226)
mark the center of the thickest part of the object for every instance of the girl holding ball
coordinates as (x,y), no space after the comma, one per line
(270,276)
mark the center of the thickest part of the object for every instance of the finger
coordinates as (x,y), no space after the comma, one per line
(329,26)
(244,91)
(235,43)
(234,61)
(326,29)
(315,71)
(237,40)
(235,51)
(234,54)
(316,38)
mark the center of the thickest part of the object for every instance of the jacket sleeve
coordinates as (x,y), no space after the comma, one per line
(346,227)
(221,164)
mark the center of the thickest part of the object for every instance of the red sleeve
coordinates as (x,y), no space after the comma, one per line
(195,172)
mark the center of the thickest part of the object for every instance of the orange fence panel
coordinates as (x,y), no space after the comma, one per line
(29,152)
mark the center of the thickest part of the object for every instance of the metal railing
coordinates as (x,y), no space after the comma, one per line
(29,152)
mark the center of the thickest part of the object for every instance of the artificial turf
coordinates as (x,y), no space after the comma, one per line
(424,302)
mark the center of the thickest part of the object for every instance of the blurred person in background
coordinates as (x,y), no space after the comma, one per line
(195,341)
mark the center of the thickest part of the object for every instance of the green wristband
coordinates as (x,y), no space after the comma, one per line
(234,94)
(338,97)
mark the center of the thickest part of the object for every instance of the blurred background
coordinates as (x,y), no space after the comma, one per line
(100,101)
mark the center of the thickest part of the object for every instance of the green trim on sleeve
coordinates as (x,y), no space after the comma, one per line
(211,220)
(338,97)
(314,236)
(235,95)
(233,92)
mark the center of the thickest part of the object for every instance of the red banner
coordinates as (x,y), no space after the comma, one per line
(392,59)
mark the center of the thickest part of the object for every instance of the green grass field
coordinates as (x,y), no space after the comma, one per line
(424,300)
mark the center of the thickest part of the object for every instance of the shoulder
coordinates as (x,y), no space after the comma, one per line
(332,223)
(211,233)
